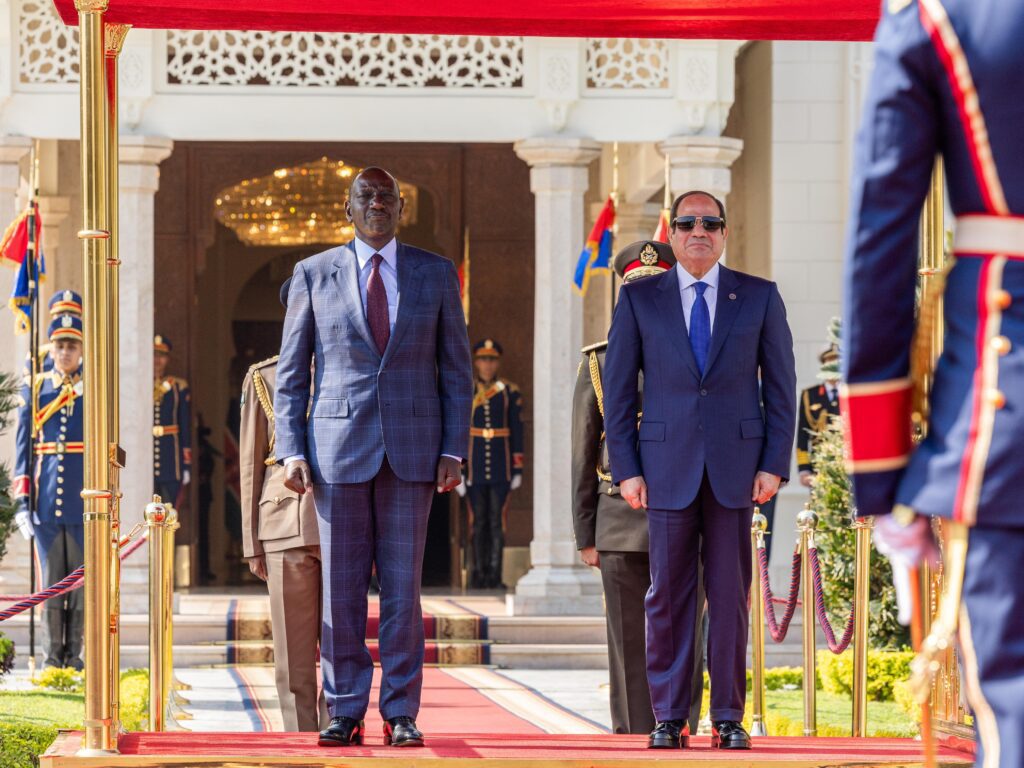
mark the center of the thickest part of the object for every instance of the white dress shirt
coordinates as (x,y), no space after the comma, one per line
(688,293)
(388,273)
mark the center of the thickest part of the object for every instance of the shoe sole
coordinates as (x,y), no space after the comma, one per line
(716,744)
(668,744)
(335,743)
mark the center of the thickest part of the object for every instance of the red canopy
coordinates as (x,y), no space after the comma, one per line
(724,19)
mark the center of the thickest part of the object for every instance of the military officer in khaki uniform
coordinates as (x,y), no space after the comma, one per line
(612,536)
(281,541)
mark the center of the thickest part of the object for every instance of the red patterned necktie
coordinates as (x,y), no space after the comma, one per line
(377,306)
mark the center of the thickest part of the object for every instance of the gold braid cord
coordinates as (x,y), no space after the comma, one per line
(268,408)
(595,379)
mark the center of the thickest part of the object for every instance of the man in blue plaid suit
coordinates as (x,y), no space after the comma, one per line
(392,389)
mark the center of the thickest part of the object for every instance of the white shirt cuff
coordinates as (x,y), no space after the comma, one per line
(296,457)
(457,458)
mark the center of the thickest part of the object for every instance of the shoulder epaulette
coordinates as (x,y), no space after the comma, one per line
(179,382)
(511,387)
(594,347)
(264,363)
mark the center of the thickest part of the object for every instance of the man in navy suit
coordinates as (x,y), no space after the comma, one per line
(392,389)
(712,344)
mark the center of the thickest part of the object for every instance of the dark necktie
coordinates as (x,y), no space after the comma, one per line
(377,306)
(700,327)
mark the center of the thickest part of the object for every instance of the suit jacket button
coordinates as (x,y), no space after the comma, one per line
(703,392)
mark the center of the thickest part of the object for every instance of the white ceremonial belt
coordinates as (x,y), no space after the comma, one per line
(989,234)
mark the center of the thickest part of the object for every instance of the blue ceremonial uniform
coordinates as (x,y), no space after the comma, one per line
(172,436)
(946,81)
(495,458)
(57,469)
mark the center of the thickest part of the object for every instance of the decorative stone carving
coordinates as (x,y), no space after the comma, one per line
(306,59)
(47,49)
(623,63)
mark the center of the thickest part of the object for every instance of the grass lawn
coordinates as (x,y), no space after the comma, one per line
(835,713)
(43,707)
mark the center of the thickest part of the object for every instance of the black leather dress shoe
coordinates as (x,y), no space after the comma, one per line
(342,732)
(669,734)
(728,734)
(402,732)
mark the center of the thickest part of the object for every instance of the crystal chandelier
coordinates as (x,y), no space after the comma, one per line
(301,205)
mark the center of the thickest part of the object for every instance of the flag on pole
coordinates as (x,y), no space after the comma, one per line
(14,248)
(661,233)
(596,255)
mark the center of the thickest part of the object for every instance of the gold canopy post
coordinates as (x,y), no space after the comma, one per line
(100,727)
(114,35)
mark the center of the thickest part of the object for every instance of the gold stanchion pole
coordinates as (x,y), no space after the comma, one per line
(167,593)
(861,596)
(758,526)
(114,35)
(100,728)
(807,521)
(156,527)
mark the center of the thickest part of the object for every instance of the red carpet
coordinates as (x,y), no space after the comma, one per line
(264,749)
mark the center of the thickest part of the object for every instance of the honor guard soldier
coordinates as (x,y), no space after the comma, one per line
(281,541)
(50,425)
(946,82)
(612,535)
(818,404)
(65,302)
(172,430)
(495,464)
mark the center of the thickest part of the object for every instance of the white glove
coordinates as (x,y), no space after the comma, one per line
(906,547)
(517,481)
(186,477)
(24,523)
(461,488)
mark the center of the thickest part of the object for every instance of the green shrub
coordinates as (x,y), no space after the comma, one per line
(22,743)
(832,500)
(134,699)
(6,655)
(885,670)
(60,679)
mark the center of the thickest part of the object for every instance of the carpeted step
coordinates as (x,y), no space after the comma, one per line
(459,652)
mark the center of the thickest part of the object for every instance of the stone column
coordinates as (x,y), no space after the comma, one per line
(140,157)
(557,583)
(701,162)
(14,569)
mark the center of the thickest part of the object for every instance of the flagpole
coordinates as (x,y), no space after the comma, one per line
(33,355)
(615,226)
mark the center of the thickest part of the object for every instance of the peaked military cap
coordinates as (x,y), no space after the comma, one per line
(643,258)
(66,327)
(162,344)
(66,302)
(487,348)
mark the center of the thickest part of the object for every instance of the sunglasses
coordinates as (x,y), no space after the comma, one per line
(709,223)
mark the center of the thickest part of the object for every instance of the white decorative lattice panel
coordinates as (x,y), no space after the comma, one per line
(624,63)
(47,49)
(306,59)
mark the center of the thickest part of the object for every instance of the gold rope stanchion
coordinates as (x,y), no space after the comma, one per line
(861,607)
(114,35)
(156,524)
(807,522)
(167,592)
(100,728)
(758,526)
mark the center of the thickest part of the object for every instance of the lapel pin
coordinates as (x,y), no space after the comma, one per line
(732,296)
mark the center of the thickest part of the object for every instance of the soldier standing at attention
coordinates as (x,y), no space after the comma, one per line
(817,405)
(946,82)
(55,435)
(495,463)
(281,541)
(612,536)
(172,426)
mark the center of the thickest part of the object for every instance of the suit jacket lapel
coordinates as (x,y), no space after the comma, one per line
(346,277)
(670,306)
(408,291)
(726,310)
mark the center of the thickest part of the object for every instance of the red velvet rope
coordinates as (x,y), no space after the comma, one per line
(776,628)
(819,609)
(72,581)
